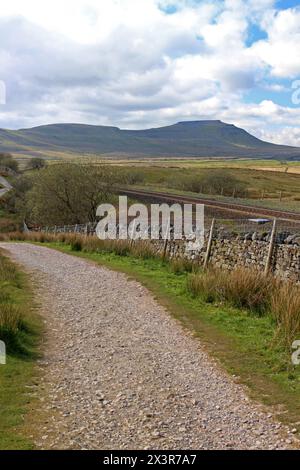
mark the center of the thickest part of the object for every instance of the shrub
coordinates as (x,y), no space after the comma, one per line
(11,318)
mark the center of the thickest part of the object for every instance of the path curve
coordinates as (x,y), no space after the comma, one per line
(6,186)
(121,373)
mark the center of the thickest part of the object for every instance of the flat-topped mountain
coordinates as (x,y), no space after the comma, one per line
(184,139)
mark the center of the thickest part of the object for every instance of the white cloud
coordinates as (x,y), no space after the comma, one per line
(281,51)
(128,63)
(288,135)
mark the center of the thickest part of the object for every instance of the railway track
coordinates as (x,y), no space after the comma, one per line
(241,209)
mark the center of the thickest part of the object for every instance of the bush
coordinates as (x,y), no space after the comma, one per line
(7,161)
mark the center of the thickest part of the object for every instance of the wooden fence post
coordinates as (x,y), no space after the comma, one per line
(132,233)
(166,239)
(209,243)
(271,248)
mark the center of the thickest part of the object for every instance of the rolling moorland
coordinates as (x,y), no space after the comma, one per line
(184,139)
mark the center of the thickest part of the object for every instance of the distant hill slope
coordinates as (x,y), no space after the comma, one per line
(184,139)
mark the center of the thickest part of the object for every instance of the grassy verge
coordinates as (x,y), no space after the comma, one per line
(243,342)
(19,328)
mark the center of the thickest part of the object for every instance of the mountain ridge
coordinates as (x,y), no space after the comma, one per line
(201,138)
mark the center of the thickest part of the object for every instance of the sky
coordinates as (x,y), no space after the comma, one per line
(148,63)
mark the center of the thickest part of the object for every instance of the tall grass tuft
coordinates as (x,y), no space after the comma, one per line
(143,250)
(252,291)
(285,308)
(12,318)
(242,288)
(182,265)
(249,289)
(207,284)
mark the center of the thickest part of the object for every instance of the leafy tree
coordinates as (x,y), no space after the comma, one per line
(7,161)
(37,163)
(68,193)
(222,182)
(14,200)
(215,182)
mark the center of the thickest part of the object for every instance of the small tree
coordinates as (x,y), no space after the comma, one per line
(14,200)
(222,182)
(68,193)
(36,163)
(7,161)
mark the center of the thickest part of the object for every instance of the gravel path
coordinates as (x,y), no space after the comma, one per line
(121,373)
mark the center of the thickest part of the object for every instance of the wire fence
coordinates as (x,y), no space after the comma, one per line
(255,229)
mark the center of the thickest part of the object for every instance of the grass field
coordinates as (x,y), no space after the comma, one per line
(261,188)
(291,167)
(242,163)
(266,203)
(20,329)
(267,183)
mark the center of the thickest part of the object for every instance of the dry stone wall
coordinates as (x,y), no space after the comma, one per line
(232,251)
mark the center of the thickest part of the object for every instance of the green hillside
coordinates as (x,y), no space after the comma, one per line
(184,139)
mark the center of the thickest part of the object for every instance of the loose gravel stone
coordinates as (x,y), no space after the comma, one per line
(120,373)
